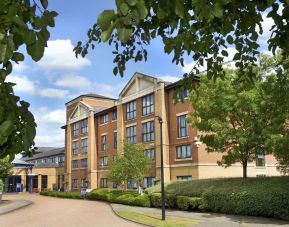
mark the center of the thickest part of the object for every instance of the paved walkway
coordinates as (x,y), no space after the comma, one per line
(211,220)
(14,205)
(55,212)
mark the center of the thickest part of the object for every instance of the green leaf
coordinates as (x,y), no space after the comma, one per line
(36,50)
(124,9)
(5,52)
(105,18)
(142,9)
(131,2)
(230,39)
(224,53)
(124,34)
(218,10)
(105,35)
(44,3)
(17,57)
(6,128)
(179,8)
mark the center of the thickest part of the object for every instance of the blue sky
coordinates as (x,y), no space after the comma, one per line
(60,77)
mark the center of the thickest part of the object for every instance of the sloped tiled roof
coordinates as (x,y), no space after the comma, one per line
(47,153)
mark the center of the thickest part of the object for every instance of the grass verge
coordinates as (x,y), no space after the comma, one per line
(4,202)
(155,220)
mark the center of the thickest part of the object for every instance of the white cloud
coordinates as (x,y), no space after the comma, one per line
(169,78)
(23,84)
(59,55)
(110,90)
(53,93)
(72,81)
(20,67)
(48,129)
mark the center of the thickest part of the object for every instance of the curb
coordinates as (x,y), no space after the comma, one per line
(12,207)
(115,212)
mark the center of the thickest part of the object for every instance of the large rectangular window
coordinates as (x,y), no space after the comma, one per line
(148,182)
(75,129)
(182,126)
(103,142)
(103,182)
(148,104)
(260,157)
(103,118)
(114,115)
(183,93)
(132,184)
(84,124)
(115,140)
(184,151)
(150,153)
(148,133)
(131,110)
(74,183)
(74,164)
(104,161)
(74,147)
(84,163)
(131,134)
(84,145)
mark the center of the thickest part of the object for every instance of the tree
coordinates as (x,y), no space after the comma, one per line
(22,23)
(5,168)
(203,29)
(239,117)
(132,164)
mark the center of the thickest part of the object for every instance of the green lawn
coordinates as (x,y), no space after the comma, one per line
(155,220)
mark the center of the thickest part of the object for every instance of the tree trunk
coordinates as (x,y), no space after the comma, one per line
(244,169)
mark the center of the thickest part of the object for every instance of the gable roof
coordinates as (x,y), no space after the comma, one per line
(90,95)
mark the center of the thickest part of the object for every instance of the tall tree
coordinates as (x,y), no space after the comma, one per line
(132,164)
(22,23)
(203,29)
(239,117)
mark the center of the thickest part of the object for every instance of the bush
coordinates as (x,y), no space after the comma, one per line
(188,203)
(1,186)
(266,196)
(68,195)
(170,200)
(116,196)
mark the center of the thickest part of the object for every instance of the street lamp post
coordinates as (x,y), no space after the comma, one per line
(162,170)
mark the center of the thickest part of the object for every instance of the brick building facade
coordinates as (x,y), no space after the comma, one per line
(97,126)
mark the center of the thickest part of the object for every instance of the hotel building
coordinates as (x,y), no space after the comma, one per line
(97,126)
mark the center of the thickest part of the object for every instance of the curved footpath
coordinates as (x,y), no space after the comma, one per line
(54,212)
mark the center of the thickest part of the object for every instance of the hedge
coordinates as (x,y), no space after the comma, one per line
(117,196)
(268,196)
(68,195)
(170,200)
(1,186)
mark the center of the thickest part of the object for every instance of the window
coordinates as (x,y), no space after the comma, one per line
(260,159)
(103,143)
(150,153)
(114,115)
(84,124)
(83,183)
(147,104)
(183,93)
(75,130)
(74,147)
(184,151)
(74,164)
(84,145)
(131,184)
(131,110)
(114,157)
(84,163)
(148,131)
(104,161)
(103,182)
(131,134)
(74,183)
(184,177)
(182,126)
(114,184)
(103,118)
(115,140)
(148,182)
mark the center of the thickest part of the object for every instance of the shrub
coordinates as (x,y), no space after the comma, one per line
(188,203)
(170,200)
(116,196)
(1,186)
(69,195)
